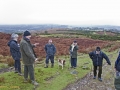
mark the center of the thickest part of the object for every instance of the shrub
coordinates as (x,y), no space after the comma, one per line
(10,61)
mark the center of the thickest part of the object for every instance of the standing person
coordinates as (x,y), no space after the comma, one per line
(97,59)
(50,52)
(73,53)
(117,65)
(117,68)
(28,56)
(15,52)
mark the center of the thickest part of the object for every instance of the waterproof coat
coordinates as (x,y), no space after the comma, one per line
(27,52)
(117,63)
(73,53)
(50,49)
(98,58)
(14,49)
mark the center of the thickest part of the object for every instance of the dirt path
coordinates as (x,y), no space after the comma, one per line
(3,70)
(88,83)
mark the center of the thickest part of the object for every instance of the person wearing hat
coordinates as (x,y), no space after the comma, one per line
(15,52)
(50,52)
(73,54)
(28,56)
(97,59)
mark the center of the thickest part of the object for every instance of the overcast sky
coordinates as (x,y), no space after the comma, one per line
(72,12)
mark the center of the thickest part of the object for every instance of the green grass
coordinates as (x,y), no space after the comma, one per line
(48,78)
(65,35)
(2,65)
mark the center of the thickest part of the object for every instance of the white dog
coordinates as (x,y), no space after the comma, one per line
(61,62)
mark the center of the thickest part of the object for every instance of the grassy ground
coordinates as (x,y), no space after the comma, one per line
(88,83)
(3,65)
(63,36)
(49,78)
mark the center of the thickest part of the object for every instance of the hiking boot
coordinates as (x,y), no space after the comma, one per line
(35,83)
(20,74)
(74,67)
(94,77)
(16,71)
(100,79)
(46,66)
(25,80)
(52,65)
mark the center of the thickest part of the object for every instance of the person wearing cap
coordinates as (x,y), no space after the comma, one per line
(15,52)
(97,59)
(50,52)
(28,56)
(73,54)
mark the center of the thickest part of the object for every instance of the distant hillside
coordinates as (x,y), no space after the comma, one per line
(53,27)
(34,27)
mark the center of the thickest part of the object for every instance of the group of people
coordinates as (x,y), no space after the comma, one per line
(26,51)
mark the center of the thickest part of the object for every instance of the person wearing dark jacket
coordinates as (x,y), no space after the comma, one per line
(28,56)
(117,78)
(50,52)
(15,52)
(73,54)
(97,59)
(117,65)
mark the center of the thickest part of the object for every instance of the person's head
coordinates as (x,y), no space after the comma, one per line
(75,42)
(50,41)
(97,50)
(14,36)
(27,34)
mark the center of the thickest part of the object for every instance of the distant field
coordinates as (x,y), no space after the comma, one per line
(62,43)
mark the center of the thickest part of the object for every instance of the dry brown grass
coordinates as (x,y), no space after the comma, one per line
(10,61)
(2,79)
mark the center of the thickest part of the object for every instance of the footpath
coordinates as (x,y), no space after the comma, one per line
(88,83)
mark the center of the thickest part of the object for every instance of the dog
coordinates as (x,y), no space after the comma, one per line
(61,62)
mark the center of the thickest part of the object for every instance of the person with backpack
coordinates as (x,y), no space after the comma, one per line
(97,59)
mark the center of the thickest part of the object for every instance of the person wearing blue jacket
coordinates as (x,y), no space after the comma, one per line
(117,65)
(97,59)
(117,68)
(50,52)
(15,52)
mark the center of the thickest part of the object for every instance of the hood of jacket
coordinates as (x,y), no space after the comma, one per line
(11,42)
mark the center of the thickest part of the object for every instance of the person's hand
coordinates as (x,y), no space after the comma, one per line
(109,63)
(36,59)
(75,44)
(36,44)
